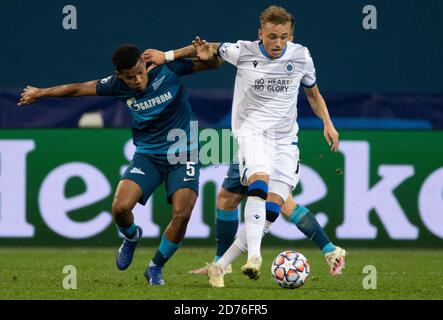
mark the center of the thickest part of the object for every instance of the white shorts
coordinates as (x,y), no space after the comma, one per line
(279,161)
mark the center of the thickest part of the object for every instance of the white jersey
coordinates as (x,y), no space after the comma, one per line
(266,90)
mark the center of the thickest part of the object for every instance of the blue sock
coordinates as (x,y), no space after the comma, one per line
(129,232)
(165,251)
(272,211)
(258,188)
(306,223)
(226,225)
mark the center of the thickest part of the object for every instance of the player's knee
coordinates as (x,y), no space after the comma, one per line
(287,208)
(121,208)
(182,213)
(228,201)
(181,218)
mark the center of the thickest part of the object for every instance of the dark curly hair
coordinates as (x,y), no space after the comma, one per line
(125,57)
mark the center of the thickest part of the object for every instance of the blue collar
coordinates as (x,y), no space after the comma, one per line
(263,51)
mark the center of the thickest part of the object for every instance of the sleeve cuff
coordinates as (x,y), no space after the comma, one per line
(308,86)
(218,50)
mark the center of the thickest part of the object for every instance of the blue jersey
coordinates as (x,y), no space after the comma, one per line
(160,108)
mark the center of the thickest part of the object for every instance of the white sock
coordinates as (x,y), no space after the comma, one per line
(255,214)
(241,241)
(239,246)
(230,255)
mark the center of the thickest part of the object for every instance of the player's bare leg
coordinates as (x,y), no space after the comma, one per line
(306,223)
(126,197)
(183,201)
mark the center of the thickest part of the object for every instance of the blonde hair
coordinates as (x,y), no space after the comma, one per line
(276,15)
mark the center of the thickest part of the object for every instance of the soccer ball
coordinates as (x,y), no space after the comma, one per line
(290,269)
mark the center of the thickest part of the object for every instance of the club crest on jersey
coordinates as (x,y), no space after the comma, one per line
(157,83)
(289,67)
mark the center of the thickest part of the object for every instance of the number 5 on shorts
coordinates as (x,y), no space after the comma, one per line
(190,169)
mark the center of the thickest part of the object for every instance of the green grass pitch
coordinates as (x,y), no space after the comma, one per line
(37,273)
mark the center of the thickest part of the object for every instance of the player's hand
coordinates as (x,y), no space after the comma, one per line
(203,49)
(29,95)
(154,57)
(331,136)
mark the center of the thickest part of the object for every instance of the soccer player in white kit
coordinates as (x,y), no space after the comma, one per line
(269,74)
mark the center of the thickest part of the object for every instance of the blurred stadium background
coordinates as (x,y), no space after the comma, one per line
(60,159)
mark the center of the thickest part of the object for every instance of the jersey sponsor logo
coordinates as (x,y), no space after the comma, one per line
(255,63)
(157,83)
(132,102)
(105,80)
(289,67)
(272,84)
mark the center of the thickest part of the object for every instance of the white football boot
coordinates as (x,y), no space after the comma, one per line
(204,270)
(215,275)
(252,267)
(336,260)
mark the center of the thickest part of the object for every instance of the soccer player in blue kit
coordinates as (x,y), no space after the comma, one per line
(158,104)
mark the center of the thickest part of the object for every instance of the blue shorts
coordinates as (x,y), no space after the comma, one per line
(149,171)
(232,181)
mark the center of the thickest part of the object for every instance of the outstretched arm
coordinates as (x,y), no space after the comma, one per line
(206,55)
(320,109)
(32,94)
(204,52)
